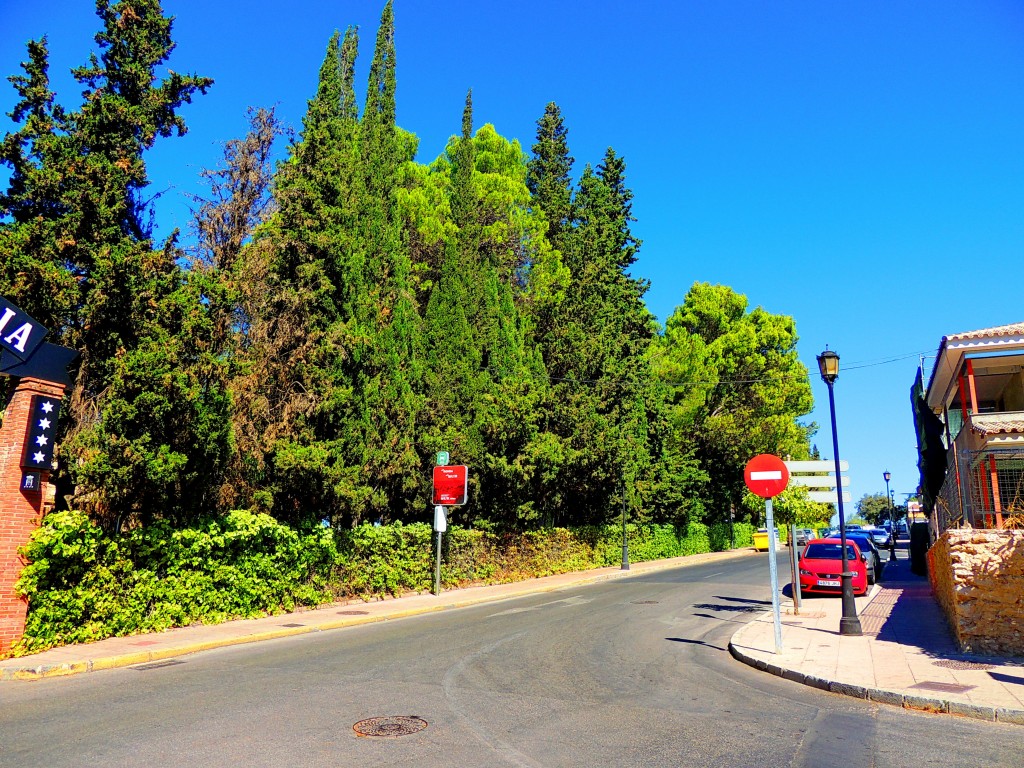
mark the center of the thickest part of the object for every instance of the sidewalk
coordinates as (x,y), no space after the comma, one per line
(141,649)
(906,657)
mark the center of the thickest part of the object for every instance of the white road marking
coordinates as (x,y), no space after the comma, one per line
(568,601)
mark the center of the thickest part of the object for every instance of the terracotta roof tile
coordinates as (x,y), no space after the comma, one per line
(995,423)
(1013,329)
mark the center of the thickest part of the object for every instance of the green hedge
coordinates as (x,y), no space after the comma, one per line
(82,586)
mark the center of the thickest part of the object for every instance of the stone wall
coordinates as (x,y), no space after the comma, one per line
(978,577)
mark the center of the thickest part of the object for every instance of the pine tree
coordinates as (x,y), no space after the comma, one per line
(80,222)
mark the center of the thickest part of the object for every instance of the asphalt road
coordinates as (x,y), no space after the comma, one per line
(632,672)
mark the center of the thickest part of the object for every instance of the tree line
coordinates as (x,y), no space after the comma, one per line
(338,317)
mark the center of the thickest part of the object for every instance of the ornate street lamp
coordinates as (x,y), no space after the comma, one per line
(849,624)
(892,522)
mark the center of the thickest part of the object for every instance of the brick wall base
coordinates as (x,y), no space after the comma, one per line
(20,511)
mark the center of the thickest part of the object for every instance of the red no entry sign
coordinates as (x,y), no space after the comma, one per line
(766,475)
(450,485)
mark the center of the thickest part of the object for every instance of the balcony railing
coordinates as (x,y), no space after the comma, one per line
(983,487)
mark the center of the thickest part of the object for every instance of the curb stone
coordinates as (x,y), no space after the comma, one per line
(877,695)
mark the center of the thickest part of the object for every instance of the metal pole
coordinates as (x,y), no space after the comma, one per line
(892,521)
(849,624)
(625,545)
(437,566)
(793,568)
(773,569)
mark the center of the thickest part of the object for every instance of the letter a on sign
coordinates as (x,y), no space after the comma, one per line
(19,334)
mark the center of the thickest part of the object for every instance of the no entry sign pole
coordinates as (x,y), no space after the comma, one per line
(767,476)
(451,489)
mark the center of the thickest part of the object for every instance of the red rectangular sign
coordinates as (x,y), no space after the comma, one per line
(450,485)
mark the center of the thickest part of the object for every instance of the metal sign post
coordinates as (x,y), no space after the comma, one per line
(794,568)
(773,569)
(451,489)
(440,526)
(767,476)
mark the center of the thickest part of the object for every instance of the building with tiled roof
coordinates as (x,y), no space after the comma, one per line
(972,411)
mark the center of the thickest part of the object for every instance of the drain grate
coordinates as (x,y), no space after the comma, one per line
(959,664)
(645,602)
(390,727)
(352,613)
(932,685)
(157,665)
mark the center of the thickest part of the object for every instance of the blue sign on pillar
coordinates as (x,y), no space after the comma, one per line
(42,426)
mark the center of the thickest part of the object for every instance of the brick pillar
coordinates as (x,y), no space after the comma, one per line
(20,511)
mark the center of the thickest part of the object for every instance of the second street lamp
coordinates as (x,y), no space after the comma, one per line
(887,475)
(849,624)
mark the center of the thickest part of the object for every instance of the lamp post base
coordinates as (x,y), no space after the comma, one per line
(625,557)
(849,624)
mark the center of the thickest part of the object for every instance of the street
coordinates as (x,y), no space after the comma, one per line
(632,672)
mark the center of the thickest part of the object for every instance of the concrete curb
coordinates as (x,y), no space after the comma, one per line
(41,671)
(882,696)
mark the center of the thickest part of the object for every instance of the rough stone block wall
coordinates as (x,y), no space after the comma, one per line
(978,577)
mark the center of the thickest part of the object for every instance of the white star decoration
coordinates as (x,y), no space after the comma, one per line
(44,423)
(38,457)
(47,406)
(42,440)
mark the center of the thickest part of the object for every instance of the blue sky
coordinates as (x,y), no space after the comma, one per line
(857,166)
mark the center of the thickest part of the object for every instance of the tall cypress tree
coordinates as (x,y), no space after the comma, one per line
(388,359)
(596,352)
(453,354)
(294,381)
(548,176)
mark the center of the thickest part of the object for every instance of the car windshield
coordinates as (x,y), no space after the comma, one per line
(827,551)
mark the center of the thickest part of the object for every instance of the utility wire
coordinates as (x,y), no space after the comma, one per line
(716,382)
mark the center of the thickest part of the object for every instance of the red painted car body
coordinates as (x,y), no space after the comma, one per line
(821,566)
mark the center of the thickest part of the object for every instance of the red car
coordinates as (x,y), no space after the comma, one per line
(821,564)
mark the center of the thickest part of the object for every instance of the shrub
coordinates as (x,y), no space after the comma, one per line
(83,586)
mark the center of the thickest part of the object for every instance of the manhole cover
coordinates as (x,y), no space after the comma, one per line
(352,613)
(645,602)
(390,727)
(293,625)
(958,664)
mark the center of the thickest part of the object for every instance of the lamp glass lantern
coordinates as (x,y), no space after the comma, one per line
(828,365)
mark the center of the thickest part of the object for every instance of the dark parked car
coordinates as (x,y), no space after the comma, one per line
(867,545)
